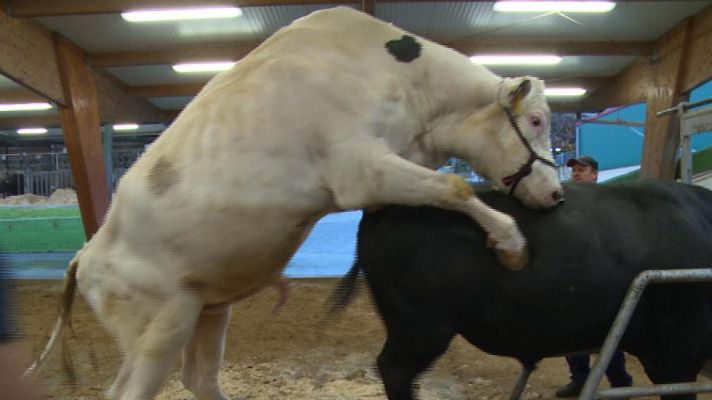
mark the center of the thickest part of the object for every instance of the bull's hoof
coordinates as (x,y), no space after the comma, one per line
(513,260)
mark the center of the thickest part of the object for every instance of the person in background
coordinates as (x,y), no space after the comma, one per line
(13,359)
(585,169)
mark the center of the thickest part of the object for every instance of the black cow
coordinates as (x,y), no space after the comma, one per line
(432,277)
(12,185)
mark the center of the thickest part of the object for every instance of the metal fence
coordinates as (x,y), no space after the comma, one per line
(43,173)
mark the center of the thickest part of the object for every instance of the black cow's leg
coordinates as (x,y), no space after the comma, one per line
(408,351)
(521,383)
(661,372)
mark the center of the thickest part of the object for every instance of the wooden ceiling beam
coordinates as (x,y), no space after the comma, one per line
(45,121)
(225,52)
(20,96)
(591,83)
(204,52)
(561,48)
(28,57)
(165,90)
(116,105)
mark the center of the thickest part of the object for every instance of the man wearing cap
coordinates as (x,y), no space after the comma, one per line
(585,169)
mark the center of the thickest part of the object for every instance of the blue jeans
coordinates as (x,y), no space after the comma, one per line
(616,373)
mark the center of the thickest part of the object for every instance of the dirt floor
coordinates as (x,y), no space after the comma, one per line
(294,354)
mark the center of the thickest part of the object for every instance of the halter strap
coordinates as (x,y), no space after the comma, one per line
(512,181)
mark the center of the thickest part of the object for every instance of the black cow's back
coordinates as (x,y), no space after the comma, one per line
(425,262)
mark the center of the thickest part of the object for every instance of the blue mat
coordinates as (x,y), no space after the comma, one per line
(327,252)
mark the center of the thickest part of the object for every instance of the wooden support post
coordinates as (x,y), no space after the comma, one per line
(82,133)
(662,134)
(368,6)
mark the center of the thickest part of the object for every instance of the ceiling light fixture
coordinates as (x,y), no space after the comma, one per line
(31,131)
(125,127)
(558,6)
(203,67)
(564,91)
(181,14)
(516,59)
(25,107)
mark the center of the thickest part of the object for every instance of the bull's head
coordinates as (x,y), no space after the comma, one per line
(508,142)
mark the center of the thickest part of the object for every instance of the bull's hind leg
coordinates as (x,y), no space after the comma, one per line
(204,354)
(126,321)
(154,352)
(409,350)
(119,385)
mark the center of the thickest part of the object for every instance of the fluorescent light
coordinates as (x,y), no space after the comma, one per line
(125,127)
(516,59)
(203,67)
(25,107)
(31,131)
(569,92)
(560,6)
(180,14)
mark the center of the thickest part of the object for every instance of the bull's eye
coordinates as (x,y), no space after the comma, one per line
(535,121)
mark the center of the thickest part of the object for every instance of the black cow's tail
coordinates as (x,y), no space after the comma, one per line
(345,290)
(70,285)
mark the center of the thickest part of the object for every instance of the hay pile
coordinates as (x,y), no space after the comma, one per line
(24,199)
(63,196)
(59,197)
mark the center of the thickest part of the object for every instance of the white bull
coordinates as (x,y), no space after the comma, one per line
(336,111)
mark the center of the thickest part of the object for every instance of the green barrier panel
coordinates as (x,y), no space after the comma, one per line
(41,234)
(701,161)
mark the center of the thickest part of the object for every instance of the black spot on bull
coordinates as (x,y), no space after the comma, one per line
(405,49)
(432,277)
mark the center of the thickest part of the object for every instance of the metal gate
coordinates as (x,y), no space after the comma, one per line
(691,123)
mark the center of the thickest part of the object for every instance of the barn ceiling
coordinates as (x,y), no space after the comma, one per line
(138,57)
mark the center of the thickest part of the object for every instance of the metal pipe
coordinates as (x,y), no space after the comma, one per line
(619,122)
(655,390)
(635,292)
(684,106)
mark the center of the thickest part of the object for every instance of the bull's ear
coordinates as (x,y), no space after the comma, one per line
(514,91)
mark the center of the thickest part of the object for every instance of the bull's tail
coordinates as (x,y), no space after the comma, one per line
(70,286)
(345,290)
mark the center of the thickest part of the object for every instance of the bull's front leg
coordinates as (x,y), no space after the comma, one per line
(389,179)
(504,235)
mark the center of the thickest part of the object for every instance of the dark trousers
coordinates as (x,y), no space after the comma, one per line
(616,373)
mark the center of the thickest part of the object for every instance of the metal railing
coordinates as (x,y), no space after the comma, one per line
(43,173)
(635,292)
(691,123)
